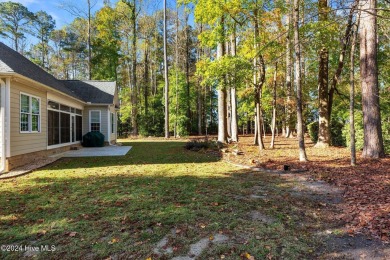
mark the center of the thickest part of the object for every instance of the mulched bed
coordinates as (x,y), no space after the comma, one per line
(366,204)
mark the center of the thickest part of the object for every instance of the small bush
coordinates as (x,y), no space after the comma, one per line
(312,128)
(337,138)
(337,133)
(359,132)
(197,145)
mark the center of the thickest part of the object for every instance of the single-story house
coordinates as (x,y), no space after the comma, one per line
(41,115)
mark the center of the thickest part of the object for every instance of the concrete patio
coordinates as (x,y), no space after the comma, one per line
(83,152)
(97,151)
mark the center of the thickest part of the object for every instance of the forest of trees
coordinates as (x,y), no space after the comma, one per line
(279,67)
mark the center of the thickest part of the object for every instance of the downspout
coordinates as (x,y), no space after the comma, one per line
(2,116)
(8,115)
(109,125)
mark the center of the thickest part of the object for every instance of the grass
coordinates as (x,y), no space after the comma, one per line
(100,207)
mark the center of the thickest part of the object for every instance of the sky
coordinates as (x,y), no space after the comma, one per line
(54,9)
(62,17)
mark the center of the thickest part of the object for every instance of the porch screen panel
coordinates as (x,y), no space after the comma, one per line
(65,128)
(53,136)
(79,128)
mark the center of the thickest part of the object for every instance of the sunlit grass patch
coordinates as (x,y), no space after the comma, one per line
(100,207)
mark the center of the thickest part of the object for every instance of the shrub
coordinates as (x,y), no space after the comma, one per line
(312,128)
(197,145)
(386,135)
(359,133)
(336,133)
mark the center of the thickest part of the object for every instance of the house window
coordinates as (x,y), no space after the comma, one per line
(95,120)
(112,123)
(30,114)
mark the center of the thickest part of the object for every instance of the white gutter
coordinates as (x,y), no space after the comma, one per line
(2,130)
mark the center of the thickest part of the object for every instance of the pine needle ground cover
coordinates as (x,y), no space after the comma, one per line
(365,206)
(156,202)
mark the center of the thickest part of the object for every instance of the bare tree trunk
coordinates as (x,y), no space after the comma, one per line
(134,97)
(301,139)
(273,127)
(289,114)
(323,119)
(146,78)
(175,133)
(166,89)
(258,81)
(222,133)
(373,140)
(352,100)
(187,48)
(323,82)
(233,95)
(228,106)
(89,41)
(199,91)
(222,119)
(256,139)
(343,51)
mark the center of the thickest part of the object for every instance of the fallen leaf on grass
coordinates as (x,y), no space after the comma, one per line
(41,233)
(72,234)
(113,241)
(246,255)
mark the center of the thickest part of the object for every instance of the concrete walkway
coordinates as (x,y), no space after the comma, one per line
(97,151)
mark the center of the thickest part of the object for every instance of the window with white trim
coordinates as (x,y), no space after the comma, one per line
(95,120)
(30,114)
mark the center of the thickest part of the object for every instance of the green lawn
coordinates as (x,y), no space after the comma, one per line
(94,208)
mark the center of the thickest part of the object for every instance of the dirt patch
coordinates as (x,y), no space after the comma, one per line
(353,201)
(258,216)
(353,247)
(196,249)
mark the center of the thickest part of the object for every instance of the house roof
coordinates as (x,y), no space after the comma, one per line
(97,92)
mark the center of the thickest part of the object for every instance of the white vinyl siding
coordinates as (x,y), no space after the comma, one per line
(20,142)
(104,119)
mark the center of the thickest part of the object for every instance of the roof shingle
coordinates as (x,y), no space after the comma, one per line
(97,92)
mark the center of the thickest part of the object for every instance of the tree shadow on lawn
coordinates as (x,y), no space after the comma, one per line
(129,214)
(143,153)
